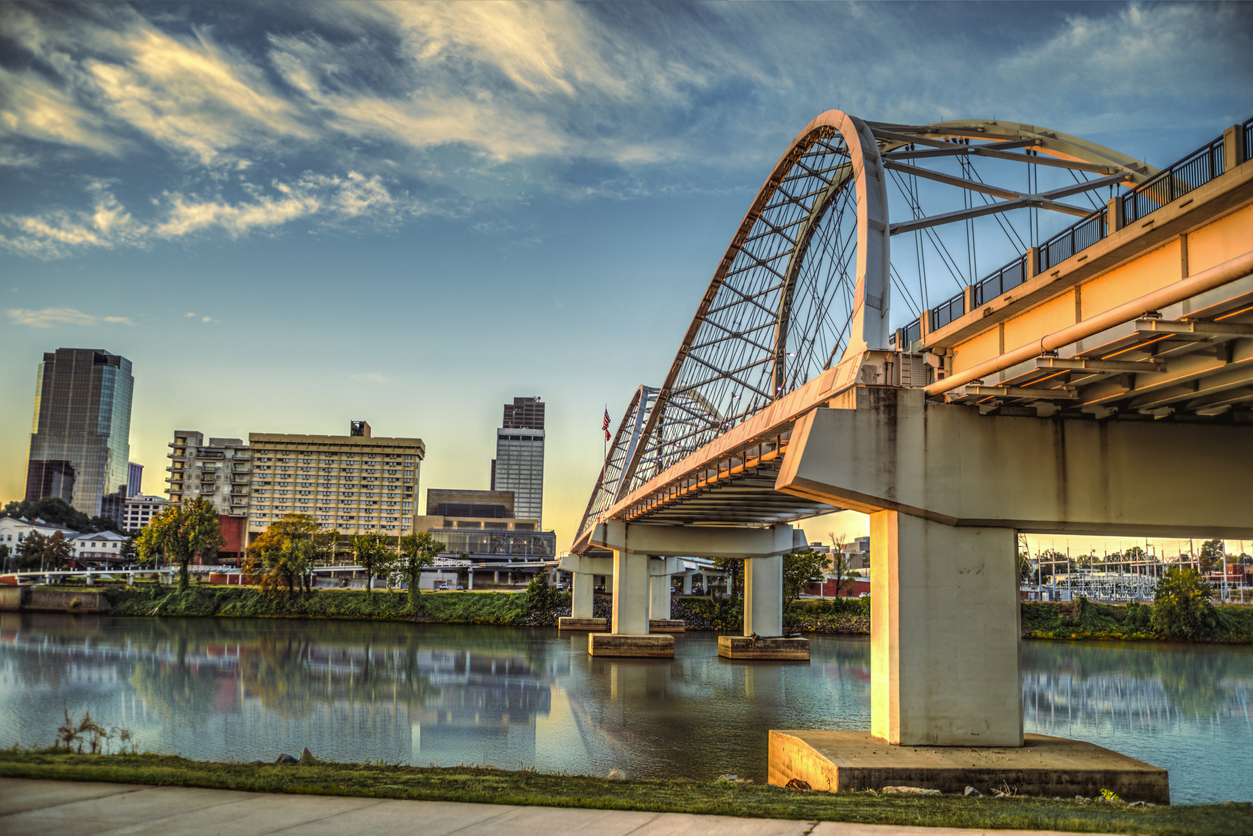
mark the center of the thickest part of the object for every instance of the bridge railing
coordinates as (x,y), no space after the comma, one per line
(1072,239)
(1006,278)
(1247,133)
(945,312)
(1193,171)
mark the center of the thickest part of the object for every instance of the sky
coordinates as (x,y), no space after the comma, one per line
(293,215)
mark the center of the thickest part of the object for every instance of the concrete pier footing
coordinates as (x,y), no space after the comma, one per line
(748,647)
(618,644)
(837,761)
(587,625)
(666,625)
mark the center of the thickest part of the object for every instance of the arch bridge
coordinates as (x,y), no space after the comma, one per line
(965,329)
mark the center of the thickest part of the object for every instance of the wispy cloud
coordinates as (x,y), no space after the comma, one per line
(325,199)
(51,317)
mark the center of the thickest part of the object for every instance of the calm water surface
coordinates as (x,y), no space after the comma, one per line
(234,689)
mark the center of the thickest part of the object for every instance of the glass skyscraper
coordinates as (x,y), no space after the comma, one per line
(519,462)
(80,443)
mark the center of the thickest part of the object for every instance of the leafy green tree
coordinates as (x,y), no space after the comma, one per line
(799,570)
(543,599)
(371,553)
(1181,605)
(733,571)
(50,509)
(1211,555)
(286,553)
(180,534)
(46,553)
(4,556)
(129,553)
(416,551)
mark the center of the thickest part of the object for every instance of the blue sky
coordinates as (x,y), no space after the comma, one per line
(291,215)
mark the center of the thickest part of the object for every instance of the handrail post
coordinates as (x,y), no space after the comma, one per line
(1233,147)
(1032,267)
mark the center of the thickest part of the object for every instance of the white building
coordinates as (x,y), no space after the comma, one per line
(140,510)
(101,547)
(14,531)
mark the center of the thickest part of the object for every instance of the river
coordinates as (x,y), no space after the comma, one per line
(242,689)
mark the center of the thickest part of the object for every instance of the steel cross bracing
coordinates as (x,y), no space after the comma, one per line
(807,275)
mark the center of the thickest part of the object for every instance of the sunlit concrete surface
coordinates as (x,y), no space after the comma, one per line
(50,808)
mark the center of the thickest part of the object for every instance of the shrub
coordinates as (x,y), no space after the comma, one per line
(1182,607)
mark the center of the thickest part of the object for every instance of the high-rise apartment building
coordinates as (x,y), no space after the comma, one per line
(519,462)
(134,478)
(354,483)
(80,446)
(218,470)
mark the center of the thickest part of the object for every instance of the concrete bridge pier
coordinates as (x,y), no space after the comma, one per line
(633,544)
(584,569)
(763,617)
(947,489)
(661,588)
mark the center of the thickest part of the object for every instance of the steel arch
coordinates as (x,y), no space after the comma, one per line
(870,149)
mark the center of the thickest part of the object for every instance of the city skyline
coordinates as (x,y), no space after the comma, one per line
(474,202)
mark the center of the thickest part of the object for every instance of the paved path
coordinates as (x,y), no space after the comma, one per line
(51,808)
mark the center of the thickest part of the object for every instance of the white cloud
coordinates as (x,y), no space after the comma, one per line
(50,317)
(325,199)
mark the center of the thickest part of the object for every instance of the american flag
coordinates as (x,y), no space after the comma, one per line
(605,426)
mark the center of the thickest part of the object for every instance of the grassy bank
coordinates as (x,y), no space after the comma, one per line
(664,796)
(848,616)
(1087,620)
(358,605)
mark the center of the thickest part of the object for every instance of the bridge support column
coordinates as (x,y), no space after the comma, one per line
(631,594)
(582,594)
(661,587)
(945,663)
(687,583)
(763,617)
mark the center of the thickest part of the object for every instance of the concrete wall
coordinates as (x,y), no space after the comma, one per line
(953,465)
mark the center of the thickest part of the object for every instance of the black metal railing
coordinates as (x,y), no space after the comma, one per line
(1071,240)
(1247,133)
(945,312)
(1007,278)
(1193,171)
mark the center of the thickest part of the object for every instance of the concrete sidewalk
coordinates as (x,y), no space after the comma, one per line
(51,808)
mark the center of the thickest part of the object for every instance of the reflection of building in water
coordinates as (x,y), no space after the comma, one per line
(483,709)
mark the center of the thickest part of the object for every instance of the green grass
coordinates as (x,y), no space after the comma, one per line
(720,798)
(358,605)
(1088,620)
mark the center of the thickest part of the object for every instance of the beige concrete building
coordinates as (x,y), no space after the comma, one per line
(354,483)
(218,470)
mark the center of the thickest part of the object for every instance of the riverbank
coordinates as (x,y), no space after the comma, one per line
(724,798)
(1077,620)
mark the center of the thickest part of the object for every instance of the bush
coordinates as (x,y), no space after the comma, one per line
(543,601)
(1182,607)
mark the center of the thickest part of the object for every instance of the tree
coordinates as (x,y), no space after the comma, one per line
(417,550)
(4,556)
(30,552)
(1182,607)
(841,564)
(370,552)
(129,554)
(733,571)
(542,599)
(58,552)
(50,509)
(286,552)
(1212,552)
(799,570)
(180,534)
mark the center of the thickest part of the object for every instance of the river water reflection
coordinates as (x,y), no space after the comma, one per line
(235,689)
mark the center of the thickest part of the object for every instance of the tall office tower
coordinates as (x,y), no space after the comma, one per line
(519,462)
(134,479)
(80,447)
(354,483)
